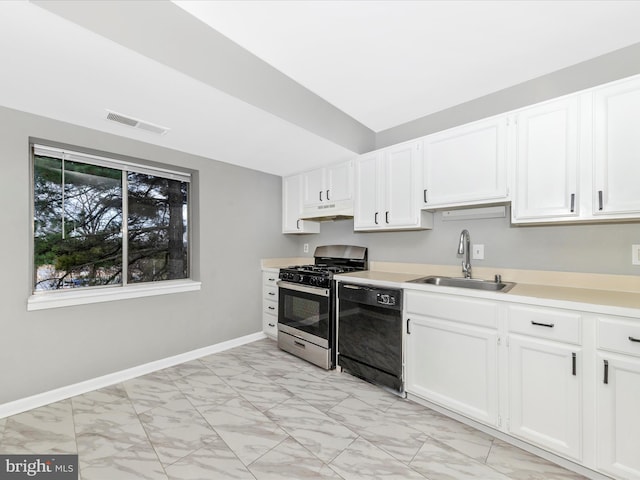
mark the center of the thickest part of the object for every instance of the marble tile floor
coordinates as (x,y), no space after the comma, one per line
(255,412)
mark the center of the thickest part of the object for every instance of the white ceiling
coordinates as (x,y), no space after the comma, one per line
(383,63)
(389,62)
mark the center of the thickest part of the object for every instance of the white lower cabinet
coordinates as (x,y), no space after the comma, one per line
(545,402)
(451,363)
(618,397)
(545,377)
(270,302)
(454,366)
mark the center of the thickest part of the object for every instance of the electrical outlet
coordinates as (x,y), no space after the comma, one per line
(478,252)
(635,254)
(305,248)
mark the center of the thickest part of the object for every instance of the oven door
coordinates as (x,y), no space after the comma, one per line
(304,311)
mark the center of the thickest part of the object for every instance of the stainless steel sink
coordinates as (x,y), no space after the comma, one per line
(460,282)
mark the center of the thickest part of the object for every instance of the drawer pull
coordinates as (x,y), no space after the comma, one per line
(573,364)
(634,339)
(272,279)
(271,293)
(271,308)
(548,325)
(606,372)
(299,344)
(408,331)
(272,325)
(573,202)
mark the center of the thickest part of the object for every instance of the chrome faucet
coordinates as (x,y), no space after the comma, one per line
(464,248)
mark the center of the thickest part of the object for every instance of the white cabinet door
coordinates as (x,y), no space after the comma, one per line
(366,209)
(618,415)
(330,184)
(454,365)
(401,205)
(386,190)
(339,185)
(617,149)
(545,402)
(546,163)
(466,165)
(313,185)
(292,207)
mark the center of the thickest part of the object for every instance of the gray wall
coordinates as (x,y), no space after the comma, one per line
(602,248)
(240,212)
(596,71)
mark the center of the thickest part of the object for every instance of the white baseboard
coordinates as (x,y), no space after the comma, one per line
(45,398)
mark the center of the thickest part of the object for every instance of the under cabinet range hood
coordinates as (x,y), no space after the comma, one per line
(327,211)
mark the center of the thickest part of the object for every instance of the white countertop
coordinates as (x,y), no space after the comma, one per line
(610,294)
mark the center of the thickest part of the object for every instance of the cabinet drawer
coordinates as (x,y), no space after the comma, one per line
(270,325)
(552,324)
(450,307)
(270,293)
(619,335)
(270,307)
(269,278)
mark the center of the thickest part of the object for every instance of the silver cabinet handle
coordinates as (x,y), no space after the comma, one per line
(271,308)
(606,372)
(634,339)
(272,325)
(573,364)
(375,218)
(327,194)
(320,195)
(424,195)
(386,217)
(573,202)
(298,224)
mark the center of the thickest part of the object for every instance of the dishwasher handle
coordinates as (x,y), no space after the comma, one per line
(382,297)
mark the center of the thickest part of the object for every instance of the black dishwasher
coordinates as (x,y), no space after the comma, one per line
(370,334)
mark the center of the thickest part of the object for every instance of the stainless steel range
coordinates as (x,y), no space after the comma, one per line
(306,307)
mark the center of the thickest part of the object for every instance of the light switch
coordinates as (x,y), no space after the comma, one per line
(478,252)
(635,254)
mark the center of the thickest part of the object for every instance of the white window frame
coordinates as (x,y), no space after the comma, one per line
(56,298)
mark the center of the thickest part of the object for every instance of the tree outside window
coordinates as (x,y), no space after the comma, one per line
(80,214)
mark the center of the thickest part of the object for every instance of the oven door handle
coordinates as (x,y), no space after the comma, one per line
(323,292)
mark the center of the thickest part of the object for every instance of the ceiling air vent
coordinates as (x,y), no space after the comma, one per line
(135,123)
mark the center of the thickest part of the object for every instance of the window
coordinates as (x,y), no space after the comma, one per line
(103,222)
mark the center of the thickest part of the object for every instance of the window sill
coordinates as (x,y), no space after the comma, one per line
(47,300)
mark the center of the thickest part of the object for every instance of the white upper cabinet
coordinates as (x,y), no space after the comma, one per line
(368,194)
(328,191)
(466,165)
(387,189)
(617,149)
(314,191)
(545,153)
(292,207)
